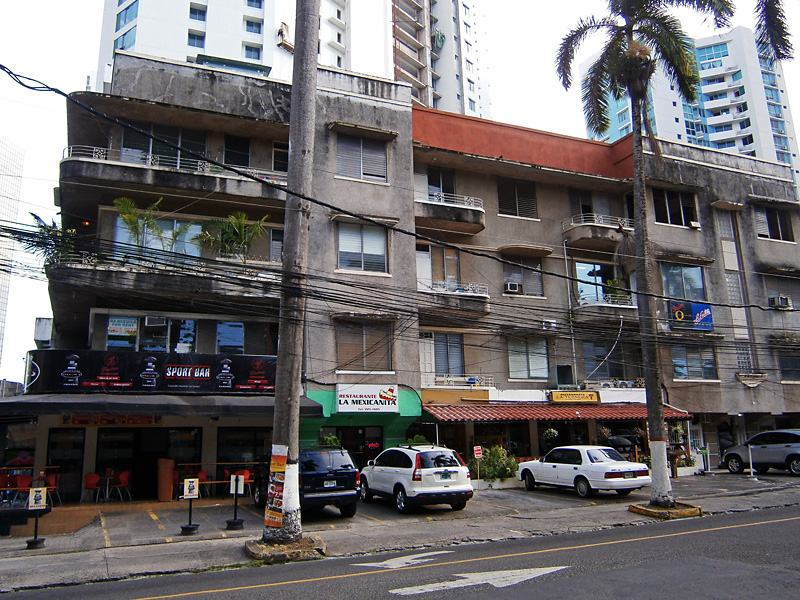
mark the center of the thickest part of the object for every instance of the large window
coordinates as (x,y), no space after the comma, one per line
(361,158)
(362,247)
(673,207)
(448,351)
(280,156)
(694,362)
(773,224)
(598,283)
(151,334)
(517,198)
(172,237)
(789,360)
(128,39)
(441,183)
(127,14)
(364,346)
(683,281)
(237,151)
(526,273)
(230,337)
(141,148)
(603,360)
(527,358)
(438,268)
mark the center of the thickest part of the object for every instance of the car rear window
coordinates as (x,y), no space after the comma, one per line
(324,461)
(604,455)
(438,458)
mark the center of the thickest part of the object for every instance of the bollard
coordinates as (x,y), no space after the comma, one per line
(235,523)
(190,491)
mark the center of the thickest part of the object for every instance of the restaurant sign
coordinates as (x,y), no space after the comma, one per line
(691,315)
(574,396)
(87,371)
(366,398)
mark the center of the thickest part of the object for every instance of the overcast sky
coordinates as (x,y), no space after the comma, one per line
(56,42)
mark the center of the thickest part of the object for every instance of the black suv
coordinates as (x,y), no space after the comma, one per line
(327,476)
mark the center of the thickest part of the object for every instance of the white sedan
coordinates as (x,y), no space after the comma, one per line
(587,469)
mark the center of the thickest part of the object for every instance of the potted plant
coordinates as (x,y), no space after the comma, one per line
(232,236)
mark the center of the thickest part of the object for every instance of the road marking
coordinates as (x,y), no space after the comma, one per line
(373,519)
(404,561)
(159,524)
(105,530)
(465,561)
(498,579)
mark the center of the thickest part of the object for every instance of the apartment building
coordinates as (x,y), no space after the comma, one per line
(741,107)
(11,160)
(433,46)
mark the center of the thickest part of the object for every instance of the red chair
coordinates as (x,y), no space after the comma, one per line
(204,485)
(52,482)
(123,485)
(5,486)
(23,486)
(91,481)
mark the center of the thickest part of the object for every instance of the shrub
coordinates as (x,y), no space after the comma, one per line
(331,440)
(495,464)
(417,439)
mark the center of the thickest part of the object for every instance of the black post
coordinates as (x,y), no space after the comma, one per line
(190,528)
(235,523)
(36,542)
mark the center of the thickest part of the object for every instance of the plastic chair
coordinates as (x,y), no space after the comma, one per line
(5,487)
(52,483)
(204,485)
(122,485)
(247,481)
(22,486)
(91,481)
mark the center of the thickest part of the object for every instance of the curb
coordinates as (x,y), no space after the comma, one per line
(270,554)
(681,511)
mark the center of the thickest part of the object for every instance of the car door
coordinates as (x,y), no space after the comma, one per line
(548,468)
(385,471)
(569,466)
(764,449)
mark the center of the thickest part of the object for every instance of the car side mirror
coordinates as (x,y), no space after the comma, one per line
(370,463)
(541,459)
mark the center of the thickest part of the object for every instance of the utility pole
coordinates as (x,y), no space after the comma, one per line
(282,516)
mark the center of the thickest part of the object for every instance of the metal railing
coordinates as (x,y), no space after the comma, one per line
(192,165)
(469,288)
(613,299)
(450,380)
(596,219)
(454,199)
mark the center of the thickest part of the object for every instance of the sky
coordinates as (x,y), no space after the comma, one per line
(57,41)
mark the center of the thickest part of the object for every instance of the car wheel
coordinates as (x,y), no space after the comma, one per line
(624,492)
(794,465)
(258,497)
(530,482)
(734,464)
(348,510)
(582,487)
(366,493)
(401,500)
(458,505)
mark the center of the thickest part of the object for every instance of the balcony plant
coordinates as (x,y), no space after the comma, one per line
(50,242)
(232,236)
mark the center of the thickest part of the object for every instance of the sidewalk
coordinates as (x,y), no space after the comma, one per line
(139,539)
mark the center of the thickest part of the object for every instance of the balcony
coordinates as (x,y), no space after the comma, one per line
(605,309)
(449,212)
(448,380)
(590,231)
(448,297)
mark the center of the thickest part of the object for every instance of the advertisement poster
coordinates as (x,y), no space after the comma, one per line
(237,485)
(191,489)
(37,499)
(366,398)
(691,315)
(273,517)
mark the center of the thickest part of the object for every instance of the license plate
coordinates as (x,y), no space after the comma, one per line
(446,475)
(330,483)
(629,475)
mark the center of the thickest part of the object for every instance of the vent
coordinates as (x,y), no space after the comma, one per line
(780,302)
(155,321)
(694,224)
(512,287)
(549,325)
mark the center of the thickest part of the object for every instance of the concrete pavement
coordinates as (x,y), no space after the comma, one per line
(146,541)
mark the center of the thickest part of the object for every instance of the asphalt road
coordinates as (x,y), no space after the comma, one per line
(741,555)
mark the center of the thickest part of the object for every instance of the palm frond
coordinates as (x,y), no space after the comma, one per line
(572,41)
(673,50)
(771,29)
(720,10)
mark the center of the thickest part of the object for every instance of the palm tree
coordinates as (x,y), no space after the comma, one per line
(771,28)
(140,223)
(234,235)
(641,35)
(50,241)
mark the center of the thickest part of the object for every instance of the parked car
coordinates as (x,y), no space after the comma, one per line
(587,469)
(417,474)
(779,449)
(328,476)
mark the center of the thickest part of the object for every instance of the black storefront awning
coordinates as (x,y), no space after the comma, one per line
(149,404)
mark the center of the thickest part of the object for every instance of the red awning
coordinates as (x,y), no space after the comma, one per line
(546,412)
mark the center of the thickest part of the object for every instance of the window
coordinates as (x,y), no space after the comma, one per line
(448,352)
(724,224)
(127,14)
(531,280)
(683,281)
(789,360)
(673,207)
(252,26)
(472,105)
(772,94)
(276,245)
(197,40)
(470,85)
(252,52)
(469,66)
(254,3)
(517,198)
(744,358)
(230,337)
(128,39)
(280,156)
(783,286)
(171,239)
(694,362)
(151,334)
(715,51)
(237,151)
(597,282)
(733,281)
(139,148)
(624,116)
(599,364)
(364,346)
(197,13)
(527,358)
(438,268)
(362,248)
(773,224)
(361,158)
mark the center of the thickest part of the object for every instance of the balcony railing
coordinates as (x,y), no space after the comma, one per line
(449,380)
(193,165)
(613,299)
(595,219)
(466,288)
(454,199)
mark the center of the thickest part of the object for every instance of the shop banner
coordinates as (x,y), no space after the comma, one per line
(191,489)
(37,498)
(67,371)
(366,398)
(691,315)
(273,516)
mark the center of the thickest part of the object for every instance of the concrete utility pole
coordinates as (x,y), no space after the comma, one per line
(282,516)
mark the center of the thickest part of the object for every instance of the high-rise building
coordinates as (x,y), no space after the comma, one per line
(432,46)
(742,105)
(11,158)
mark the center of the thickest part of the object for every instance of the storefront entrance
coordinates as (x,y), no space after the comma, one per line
(363,443)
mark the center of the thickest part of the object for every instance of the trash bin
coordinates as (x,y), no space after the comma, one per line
(166,478)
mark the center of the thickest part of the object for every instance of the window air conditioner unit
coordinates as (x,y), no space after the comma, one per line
(694,224)
(626,384)
(606,384)
(155,321)
(512,287)
(549,325)
(781,302)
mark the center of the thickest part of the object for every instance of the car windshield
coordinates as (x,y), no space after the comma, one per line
(598,455)
(438,458)
(325,461)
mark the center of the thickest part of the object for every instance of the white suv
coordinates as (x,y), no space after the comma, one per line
(417,474)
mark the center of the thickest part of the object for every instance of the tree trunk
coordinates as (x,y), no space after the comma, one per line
(661,490)
(282,517)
